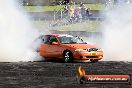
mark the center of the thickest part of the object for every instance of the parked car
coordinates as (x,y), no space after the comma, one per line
(68,48)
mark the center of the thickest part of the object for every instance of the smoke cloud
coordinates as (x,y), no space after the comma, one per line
(16,34)
(117,33)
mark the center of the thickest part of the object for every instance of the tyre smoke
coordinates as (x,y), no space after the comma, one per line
(117,33)
(16,34)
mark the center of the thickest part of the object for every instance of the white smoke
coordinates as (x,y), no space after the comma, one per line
(118,33)
(16,34)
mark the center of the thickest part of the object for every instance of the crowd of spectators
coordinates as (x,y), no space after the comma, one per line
(76,14)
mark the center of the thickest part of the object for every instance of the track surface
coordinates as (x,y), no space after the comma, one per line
(57,75)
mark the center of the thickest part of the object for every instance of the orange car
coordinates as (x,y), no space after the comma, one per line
(68,48)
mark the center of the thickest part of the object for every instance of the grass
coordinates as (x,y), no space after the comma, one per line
(58,7)
(89,26)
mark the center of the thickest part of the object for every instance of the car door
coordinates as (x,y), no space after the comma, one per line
(49,50)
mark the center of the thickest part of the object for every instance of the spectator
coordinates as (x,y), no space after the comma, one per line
(70,13)
(71,2)
(88,12)
(66,8)
(77,14)
(83,11)
(66,2)
(81,4)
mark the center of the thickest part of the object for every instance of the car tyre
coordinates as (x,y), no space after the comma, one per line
(67,57)
(93,61)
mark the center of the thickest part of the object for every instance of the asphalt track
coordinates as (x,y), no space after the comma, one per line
(58,75)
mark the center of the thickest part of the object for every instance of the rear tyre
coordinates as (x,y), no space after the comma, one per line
(93,61)
(67,57)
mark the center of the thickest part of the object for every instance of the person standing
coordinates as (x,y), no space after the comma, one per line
(70,13)
(77,14)
(83,11)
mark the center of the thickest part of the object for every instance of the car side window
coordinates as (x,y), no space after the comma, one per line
(43,39)
(39,39)
(47,39)
(50,39)
(53,39)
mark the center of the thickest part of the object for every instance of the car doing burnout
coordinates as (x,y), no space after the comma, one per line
(68,48)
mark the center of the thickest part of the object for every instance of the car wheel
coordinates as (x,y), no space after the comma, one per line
(93,61)
(67,56)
